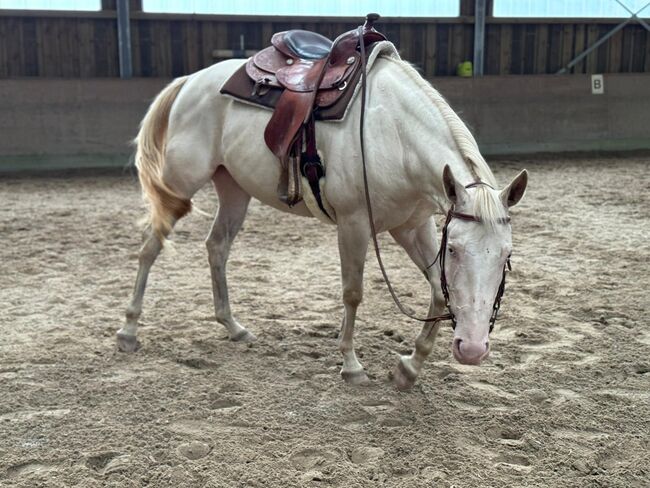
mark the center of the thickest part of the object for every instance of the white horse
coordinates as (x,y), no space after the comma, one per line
(192,134)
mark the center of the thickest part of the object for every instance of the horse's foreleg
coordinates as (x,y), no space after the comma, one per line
(233,204)
(420,244)
(353,236)
(127,335)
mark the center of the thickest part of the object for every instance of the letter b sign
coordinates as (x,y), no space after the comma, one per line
(597,85)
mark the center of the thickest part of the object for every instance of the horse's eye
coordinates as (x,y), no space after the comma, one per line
(450,250)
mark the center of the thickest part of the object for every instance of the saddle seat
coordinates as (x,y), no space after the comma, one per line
(306,44)
(303,76)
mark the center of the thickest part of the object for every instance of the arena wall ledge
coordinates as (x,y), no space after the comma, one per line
(89,123)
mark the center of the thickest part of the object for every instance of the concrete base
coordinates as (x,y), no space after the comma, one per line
(39,162)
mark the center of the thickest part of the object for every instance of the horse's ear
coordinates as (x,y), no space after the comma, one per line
(514,192)
(453,190)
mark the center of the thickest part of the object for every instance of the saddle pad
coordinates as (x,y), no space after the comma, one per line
(242,88)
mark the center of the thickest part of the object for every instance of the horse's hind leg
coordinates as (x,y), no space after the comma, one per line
(126,336)
(233,204)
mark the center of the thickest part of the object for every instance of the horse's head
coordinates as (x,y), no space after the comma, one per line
(477,246)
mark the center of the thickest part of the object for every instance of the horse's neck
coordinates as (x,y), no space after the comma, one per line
(429,135)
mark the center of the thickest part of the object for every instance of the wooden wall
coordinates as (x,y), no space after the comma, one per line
(81,45)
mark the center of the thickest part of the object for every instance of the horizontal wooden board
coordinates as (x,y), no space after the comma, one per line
(74,46)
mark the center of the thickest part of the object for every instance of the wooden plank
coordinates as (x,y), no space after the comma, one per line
(638,50)
(592,58)
(468,43)
(113,51)
(541,50)
(568,33)
(392,32)
(602,51)
(162,49)
(72,68)
(530,39)
(68,55)
(86,32)
(192,47)
(442,42)
(56,47)
(253,34)
(406,44)
(517,50)
(72,46)
(267,33)
(492,50)
(221,37)
(419,40)
(101,55)
(233,38)
(456,49)
(15,47)
(627,45)
(207,42)
(615,52)
(646,51)
(42,41)
(555,47)
(176,49)
(146,48)
(579,45)
(4,54)
(136,61)
(505,54)
(430,51)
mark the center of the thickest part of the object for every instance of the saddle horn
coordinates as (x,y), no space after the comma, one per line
(370,20)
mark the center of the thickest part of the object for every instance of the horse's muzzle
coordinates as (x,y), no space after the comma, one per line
(470,352)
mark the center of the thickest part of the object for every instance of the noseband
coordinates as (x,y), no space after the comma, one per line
(442,254)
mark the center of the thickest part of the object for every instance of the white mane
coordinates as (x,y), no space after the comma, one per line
(487,205)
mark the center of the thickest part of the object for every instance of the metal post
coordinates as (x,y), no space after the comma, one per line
(479,36)
(124,39)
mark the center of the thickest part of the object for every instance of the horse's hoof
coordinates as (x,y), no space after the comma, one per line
(355,378)
(127,343)
(244,336)
(404,376)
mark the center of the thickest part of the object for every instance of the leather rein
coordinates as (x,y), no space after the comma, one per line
(442,252)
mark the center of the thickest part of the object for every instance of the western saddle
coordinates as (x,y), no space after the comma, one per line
(304,77)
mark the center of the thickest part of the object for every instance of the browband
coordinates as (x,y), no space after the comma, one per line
(474,218)
(478,183)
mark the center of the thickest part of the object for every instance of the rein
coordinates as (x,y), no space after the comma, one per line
(440,258)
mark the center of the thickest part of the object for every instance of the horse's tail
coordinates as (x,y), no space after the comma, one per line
(165,205)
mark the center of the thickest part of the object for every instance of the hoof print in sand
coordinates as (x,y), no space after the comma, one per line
(311,458)
(366,454)
(513,462)
(109,462)
(194,450)
(27,469)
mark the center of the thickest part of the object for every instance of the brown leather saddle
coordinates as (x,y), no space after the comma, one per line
(304,77)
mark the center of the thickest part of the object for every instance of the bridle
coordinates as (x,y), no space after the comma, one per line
(442,252)
(442,255)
